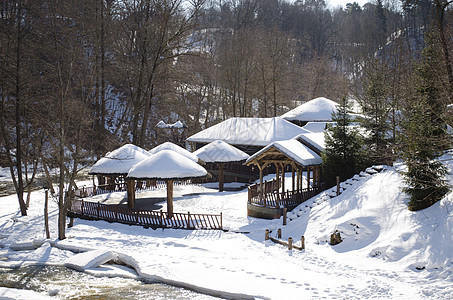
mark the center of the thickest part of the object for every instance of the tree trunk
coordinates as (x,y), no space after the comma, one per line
(20,183)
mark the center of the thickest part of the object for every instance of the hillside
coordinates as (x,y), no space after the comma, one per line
(387,251)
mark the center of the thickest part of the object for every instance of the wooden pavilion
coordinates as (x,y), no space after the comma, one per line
(267,199)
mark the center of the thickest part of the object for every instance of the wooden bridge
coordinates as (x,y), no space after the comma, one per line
(146,218)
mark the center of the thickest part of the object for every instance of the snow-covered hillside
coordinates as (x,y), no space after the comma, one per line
(387,252)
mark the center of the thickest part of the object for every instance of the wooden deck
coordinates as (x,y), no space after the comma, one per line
(148,219)
(273,199)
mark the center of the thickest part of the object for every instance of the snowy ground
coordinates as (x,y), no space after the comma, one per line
(387,251)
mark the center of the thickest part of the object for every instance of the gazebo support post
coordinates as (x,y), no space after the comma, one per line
(277,178)
(308,178)
(170,198)
(283,178)
(221,176)
(130,184)
(293,179)
(261,182)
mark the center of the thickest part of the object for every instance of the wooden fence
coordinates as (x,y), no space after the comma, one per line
(146,218)
(274,199)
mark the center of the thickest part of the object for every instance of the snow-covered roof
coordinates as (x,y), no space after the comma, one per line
(119,161)
(219,151)
(178,124)
(315,140)
(167,164)
(294,150)
(176,148)
(248,131)
(316,126)
(162,124)
(316,110)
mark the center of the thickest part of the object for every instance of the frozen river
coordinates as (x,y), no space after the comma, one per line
(68,284)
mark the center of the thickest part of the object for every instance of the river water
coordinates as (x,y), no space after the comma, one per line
(69,284)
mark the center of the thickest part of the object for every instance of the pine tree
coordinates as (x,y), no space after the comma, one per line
(377,107)
(426,137)
(343,155)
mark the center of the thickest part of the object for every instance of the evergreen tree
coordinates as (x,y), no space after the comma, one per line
(343,155)
(376,107)
(426,136)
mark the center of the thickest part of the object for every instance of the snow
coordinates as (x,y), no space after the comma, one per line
(167,164)
(313,139)
(162,124)
(387,252)
(176,148)
(316,127)
(9,293)
(219,151)
(248,131)
(119,161)
(316,110)
(294,150)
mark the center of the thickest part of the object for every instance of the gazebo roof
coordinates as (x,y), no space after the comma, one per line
(287,152)
(248,131)
(317,110)
(176,148)
(119,161)
(219,151)
(167,165)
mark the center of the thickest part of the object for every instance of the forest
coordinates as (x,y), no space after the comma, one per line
(81,77)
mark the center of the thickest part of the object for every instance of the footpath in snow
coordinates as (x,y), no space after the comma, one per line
(387,251)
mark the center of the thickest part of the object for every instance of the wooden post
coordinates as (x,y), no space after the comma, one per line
(261,183)
(290,243)
(338,185)
(188,220)
(292,173)
(279,233)
(299,187)
(277,178)
(308,178)
(221,221)
(284,215)
(130,187)
(71,222)
(221,176)
(266,234)
(302,242)
(46,214)
(170,198)
(97,209)
(283,178)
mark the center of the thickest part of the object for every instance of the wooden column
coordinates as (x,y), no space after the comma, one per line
(293,174)
(130,187)
(221,176)
(261,182)
(170,198)
(298,180)
(277,177)
(283,178)
(308,178)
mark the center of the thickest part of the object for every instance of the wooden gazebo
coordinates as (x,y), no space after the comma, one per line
(165,165)
(220,153)
(116,164)
(274,194)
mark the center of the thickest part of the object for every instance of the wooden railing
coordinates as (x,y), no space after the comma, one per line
(121,187)
(274,199)
(146,218)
